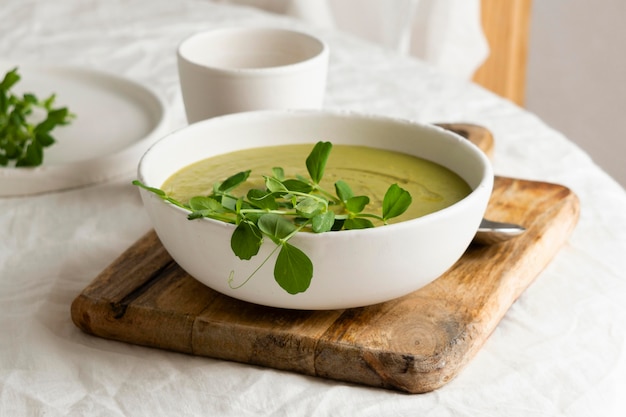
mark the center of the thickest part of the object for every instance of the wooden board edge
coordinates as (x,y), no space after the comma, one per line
(478,135)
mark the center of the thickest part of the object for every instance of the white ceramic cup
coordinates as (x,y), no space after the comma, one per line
(233,70)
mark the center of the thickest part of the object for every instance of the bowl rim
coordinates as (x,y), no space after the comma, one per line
(486,177)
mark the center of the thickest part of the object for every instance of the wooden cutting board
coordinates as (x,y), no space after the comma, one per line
(415,344)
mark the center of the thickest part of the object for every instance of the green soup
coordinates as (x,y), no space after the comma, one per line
(368,171)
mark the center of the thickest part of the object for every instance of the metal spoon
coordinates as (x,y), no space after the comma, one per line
(490,232)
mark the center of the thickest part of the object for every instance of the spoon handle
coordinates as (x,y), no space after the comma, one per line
(490,232)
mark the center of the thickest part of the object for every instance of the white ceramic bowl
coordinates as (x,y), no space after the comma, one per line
(352,268)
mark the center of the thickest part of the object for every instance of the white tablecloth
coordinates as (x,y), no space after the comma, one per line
(559,351)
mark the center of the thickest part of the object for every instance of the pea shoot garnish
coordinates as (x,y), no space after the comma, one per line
(22,140)
(283,208)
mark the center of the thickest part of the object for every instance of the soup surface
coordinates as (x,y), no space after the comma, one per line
(368,171)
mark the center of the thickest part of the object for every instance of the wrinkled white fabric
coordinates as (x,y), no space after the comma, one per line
(559,351)
(445,33)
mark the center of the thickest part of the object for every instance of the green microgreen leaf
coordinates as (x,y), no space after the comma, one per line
(32,157)
(233,181)
(296,185)
(275,226)
(44,138)
(229,202)
(21,140)
(293,270)
(357,204)
(246,240)
(309,207)
(274,185)
(357,223)
(205,203)
(338,225)
(262,199)
(316,161)
(278,173)
(396,201)
(323,222)
(32,99)
(54,118)
(47,103)
(343,190)
(202,206)
(10,79)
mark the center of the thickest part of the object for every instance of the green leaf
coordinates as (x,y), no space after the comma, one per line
(246,240)
(10,79)
(30,98)
(299,186)
(254,217)
(229,202)
(262,199)
(276,226)
(323,222)
(18,118)
(20,139)
(395,202)
(343,190)
(55,117)
(33,156)
(293,270)
(338,225)
(233,181)
(357,223)
(316,161)
(4,105)
(278,173)
(44,138)
(10,150)
(49,102)
(357,204)
(206,204)
(309,207)
(274,185)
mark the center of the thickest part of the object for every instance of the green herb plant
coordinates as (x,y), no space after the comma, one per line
(21,140)
(285,207)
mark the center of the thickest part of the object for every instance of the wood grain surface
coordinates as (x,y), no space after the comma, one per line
(414,344)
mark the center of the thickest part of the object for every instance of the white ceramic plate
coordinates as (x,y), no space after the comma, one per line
(116,121)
